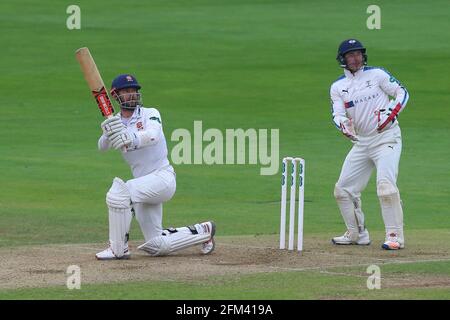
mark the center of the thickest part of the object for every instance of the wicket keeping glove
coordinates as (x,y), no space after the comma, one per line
(112,125)
(346,126)
(123,139)
(387,116)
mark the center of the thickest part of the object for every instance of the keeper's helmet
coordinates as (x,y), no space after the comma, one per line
(348,46)
(128,100)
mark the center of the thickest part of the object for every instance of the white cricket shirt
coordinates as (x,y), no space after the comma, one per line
(149,158)
(359,96)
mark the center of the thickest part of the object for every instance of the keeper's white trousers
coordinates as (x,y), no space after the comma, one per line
(381,152)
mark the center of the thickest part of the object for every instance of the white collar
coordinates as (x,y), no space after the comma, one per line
(350,75)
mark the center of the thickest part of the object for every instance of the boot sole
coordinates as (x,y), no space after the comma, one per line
(386,247)
(114,258)
(350,244)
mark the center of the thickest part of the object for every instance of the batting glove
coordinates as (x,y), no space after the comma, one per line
(123,139)
(112,125)
(387,117)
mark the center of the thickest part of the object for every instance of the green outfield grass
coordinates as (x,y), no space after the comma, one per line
(232,64)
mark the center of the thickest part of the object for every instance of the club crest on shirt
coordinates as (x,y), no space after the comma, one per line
(139,126)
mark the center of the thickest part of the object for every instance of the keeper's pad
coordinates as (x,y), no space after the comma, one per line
(118,200)
(173,240)
(351,212)
(391,208)
(359,214)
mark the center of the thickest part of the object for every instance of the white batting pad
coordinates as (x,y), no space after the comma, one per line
(172,242)
(118,196)
(119,226)
(119,207)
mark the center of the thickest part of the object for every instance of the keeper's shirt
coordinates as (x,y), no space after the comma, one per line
(359,96)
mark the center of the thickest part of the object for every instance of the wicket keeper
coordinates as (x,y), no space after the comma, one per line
(366,102)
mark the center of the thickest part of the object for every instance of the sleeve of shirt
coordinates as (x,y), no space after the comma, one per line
(103,143)
(394,88)
(153,130)
(337,106)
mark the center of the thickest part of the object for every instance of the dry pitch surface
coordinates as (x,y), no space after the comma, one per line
(46,265)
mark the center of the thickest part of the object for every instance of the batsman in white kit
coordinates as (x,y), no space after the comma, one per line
(363,112)
(138,133)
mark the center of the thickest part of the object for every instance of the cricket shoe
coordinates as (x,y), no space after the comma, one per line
(208,246)
(363,239)
(392,242)
(108,254)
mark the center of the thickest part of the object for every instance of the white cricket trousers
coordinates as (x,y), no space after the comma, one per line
(148,193)
(381,152)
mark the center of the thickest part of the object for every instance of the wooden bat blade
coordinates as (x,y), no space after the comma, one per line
(94,81)
(89,68)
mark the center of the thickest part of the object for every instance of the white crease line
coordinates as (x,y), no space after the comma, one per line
(74,247)
(347,255)
(358,265)
(342,274)
(243,246)
(399,261)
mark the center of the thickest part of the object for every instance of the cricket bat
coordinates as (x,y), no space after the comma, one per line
(95,82)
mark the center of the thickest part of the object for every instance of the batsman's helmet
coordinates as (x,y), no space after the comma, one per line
(348,46)
(124,81)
